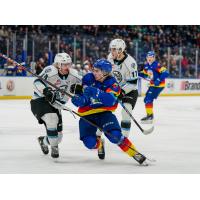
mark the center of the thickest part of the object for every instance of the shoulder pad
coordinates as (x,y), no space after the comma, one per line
(74,72)
(50,71)
(110,81)
(130,61)
(88,79)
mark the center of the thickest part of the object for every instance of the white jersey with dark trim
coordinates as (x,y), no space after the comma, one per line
(125,71)
(50,73)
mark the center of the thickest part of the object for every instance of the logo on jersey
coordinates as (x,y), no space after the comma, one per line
(133,65)
(48,70)
(150,74)
(58,82)
(61,95)
(117,75)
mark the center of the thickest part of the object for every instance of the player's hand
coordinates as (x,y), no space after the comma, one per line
(91,92)
(157,82)
(49,94)
(76,89)
(79,101)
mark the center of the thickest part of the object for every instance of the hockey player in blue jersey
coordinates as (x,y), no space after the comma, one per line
(154,72)
(96,99)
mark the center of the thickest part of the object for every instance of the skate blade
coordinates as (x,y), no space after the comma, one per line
(56,160)
(145,164)
(148,131)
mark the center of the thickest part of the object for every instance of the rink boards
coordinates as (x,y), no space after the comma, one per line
(22,87)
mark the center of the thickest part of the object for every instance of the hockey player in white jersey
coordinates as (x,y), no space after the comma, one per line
(126,73)
(46,104)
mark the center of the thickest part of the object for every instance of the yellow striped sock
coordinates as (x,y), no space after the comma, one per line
(149,109)
(128,147)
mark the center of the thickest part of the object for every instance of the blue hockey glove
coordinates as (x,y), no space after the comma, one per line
(92,92)
(157,82)
(49,94)
(79,101)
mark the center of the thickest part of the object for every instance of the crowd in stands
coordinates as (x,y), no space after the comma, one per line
(91,43)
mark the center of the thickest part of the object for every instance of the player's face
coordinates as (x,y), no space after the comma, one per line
(64,69)
(98,74)
(114,53)
(150,59)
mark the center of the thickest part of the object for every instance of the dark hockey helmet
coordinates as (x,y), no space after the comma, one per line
(151,54)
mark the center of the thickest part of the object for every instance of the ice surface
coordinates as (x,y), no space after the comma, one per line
(175,142)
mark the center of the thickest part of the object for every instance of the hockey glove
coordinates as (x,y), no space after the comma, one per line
(121,95)
(79,101)
(49,94)
(76,89)
(157,82)
(92,92)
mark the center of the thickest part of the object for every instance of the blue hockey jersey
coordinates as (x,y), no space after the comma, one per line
(154,72)
(107,100)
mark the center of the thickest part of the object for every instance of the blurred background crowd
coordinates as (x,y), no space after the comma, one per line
(176,47)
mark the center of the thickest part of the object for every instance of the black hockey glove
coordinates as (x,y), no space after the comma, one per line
(121,95)
(76,89)
(49,94)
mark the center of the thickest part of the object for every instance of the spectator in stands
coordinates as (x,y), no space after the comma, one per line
(20,71)
(40,64)
(184,65)
(10,69)
(79,69)
(157,37)
(174,70)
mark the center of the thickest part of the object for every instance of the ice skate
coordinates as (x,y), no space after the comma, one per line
(147,120)
(54,152)
(140,159)
(43,147)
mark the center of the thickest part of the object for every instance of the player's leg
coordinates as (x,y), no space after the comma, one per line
(148,100)
(89,137)
(113,133)
(59,127)
(151,94)
(52,138)
(129,101)
(39,107)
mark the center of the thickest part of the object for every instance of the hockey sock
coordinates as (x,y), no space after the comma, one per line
(127,146)
(99,143)
(149,108)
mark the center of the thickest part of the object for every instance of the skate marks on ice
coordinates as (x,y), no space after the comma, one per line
(174,143)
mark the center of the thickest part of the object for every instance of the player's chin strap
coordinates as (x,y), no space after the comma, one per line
(68,109)
(145,132)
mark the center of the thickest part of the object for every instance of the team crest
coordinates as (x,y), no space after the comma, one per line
(117,75)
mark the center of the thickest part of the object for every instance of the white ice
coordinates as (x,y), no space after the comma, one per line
(175,142)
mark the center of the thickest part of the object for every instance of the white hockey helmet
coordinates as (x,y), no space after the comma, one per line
(117,44)
(62,58)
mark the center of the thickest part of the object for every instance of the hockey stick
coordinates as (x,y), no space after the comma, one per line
(35,75)
(145,132)
(66,108)
(91,123)
(68,94)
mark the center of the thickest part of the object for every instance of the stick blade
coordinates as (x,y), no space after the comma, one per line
(148,131)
